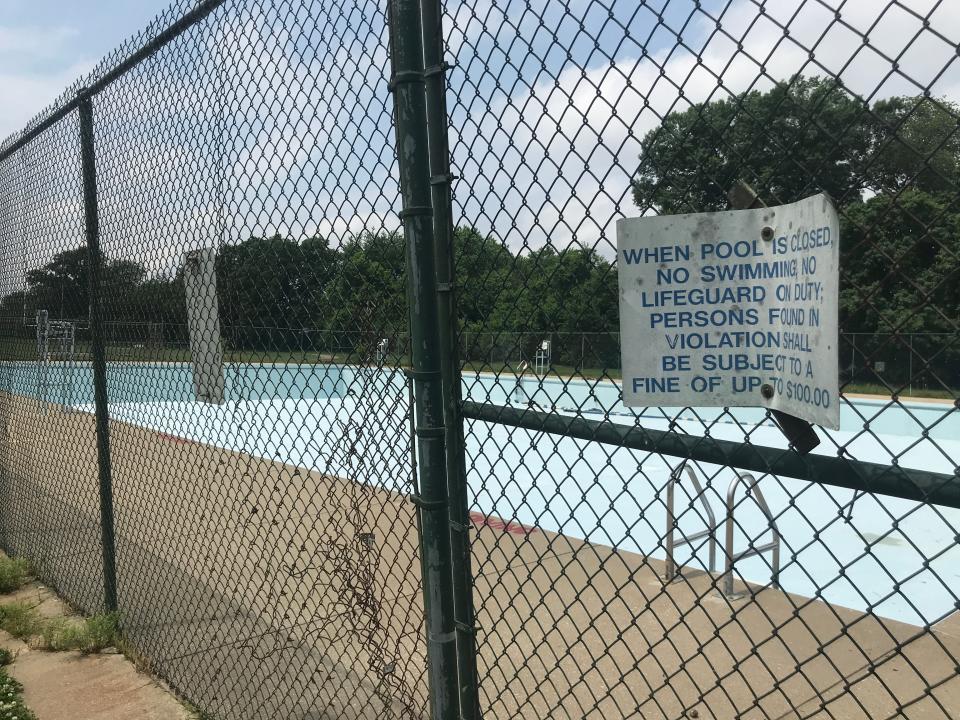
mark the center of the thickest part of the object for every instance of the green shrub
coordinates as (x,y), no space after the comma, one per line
(20,620)
(11,701)
(13,574)
(91,635)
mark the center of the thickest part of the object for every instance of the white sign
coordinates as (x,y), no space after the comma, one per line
(733,309)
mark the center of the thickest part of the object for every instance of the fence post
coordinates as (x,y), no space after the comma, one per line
(407,83)
(98,351)
(440,181)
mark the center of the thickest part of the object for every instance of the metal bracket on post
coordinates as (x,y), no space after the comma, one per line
(97,349)
(427,354)
(459,507)
(798,432)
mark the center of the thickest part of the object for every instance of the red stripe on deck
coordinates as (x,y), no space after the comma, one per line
(491,521)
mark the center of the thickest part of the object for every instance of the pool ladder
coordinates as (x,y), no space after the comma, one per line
(56,350)
(753,488)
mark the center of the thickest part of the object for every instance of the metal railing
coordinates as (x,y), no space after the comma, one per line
(709,533)
(753,488)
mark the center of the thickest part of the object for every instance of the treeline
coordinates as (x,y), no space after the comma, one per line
(893,169)
(277,294)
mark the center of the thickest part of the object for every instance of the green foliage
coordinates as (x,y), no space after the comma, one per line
(917,145)
(6,656)
(12,706)
(797,138)
(90,635)
(800,137)
(61,286)
(20,619)
(901,258)
(893,168)
(368,293)
(13,573)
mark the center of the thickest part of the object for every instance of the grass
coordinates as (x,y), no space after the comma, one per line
(91,635)
(14,573)
(907,392)
(88,635)
(21,620)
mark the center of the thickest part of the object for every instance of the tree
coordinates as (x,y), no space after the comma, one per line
(260,288)
(901,259)
(796,139)
(483,266)
(801,137)
(916,145)
(893,169)
(61,287)
(368,296)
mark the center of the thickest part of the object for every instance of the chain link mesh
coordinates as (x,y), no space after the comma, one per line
(267,555)
(256,302)
(567,116)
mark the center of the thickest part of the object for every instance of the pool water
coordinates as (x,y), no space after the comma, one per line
(897,558)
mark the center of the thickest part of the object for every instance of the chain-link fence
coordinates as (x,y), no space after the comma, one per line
(311,360)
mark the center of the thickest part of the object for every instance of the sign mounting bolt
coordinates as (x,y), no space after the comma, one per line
(766,234)
(766,390)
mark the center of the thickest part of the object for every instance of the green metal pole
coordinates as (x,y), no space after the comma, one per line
(836,471)
(440,179)
(406,39)
(95,261)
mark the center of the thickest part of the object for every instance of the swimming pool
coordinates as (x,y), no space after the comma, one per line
(894,557)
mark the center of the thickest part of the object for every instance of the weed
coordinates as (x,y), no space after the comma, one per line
(20,620)
(90,635)
(6,656)
(197,713)
(14,573)
(11,701)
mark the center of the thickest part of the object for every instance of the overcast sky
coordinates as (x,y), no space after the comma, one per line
(47,44)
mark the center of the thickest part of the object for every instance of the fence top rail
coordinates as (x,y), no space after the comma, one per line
(106,73)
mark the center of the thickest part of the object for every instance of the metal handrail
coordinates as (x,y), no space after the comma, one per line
(773,545)
(518,387)
(670,570)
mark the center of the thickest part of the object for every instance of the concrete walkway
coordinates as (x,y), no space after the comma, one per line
(74,686)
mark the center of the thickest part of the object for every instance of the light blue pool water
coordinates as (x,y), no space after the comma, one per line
(170,382)
(894,557)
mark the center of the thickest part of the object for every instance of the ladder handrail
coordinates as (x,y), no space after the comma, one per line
(670,569)
(773,545)
(518,383)
(56,343)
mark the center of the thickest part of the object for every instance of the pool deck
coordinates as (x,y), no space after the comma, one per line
(258,587)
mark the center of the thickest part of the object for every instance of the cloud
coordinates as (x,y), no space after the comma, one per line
(546,154)
(35,42)
(33,71)
(254,125)
(23,95)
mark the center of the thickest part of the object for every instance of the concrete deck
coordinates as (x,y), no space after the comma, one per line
(257,590)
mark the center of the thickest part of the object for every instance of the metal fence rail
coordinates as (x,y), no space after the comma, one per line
(331,415)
